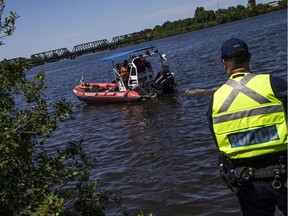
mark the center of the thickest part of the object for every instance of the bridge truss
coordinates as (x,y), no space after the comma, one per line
(89,47)
(128,38)
(86,48)
(50,56)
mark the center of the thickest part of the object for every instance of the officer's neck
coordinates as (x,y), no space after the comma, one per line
(237,70)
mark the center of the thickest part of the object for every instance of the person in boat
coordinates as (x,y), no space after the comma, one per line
(82,82)
(247,118)
(141,63)
(165,81)
(124,72)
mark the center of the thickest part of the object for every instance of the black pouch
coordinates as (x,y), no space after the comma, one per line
(241,174)
(234,178)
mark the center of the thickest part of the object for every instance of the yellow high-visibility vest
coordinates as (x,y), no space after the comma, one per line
(248,119)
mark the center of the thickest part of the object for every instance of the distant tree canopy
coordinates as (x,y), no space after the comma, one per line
(206,18)
(203,19)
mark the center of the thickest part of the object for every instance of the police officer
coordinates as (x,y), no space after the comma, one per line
(247,118)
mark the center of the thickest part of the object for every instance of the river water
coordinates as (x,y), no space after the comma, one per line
(159,153)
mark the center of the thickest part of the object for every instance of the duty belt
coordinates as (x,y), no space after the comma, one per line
(261,161)
(267,172)
(277,171)
(236,172)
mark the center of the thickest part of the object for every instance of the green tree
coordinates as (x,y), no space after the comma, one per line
(34,181)
(200,16)
(7,26)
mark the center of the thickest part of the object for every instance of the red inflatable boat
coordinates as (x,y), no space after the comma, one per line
(104,93)
(134,80)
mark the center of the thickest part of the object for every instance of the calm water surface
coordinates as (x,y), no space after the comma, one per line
(159,153)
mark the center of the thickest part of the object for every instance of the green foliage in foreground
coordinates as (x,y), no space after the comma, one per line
(33,180)
(7,25)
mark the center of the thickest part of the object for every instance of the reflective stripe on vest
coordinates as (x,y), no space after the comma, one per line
(241,87)
(247,113)
(248,119)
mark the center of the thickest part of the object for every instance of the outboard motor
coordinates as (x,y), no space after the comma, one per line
(165,81)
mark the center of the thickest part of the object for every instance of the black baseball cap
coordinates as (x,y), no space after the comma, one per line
(234,47)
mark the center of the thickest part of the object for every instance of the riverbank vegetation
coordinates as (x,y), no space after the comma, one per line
(207,18)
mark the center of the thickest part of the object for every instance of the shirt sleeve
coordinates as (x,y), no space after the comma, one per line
(210,123)
(279,87)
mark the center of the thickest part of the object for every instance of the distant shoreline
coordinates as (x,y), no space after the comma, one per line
(201,20)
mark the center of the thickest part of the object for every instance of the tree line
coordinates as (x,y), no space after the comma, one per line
(207,18)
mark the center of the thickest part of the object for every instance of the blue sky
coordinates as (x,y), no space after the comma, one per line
(46,25)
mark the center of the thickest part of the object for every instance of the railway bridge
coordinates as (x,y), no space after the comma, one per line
(136,37)
(50,56)
(90,47)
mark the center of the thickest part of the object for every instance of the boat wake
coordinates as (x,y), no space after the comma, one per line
(200,92)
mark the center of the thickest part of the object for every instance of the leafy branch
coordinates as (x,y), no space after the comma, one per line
(7,26)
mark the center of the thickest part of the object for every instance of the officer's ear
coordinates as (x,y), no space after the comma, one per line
(225,66)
